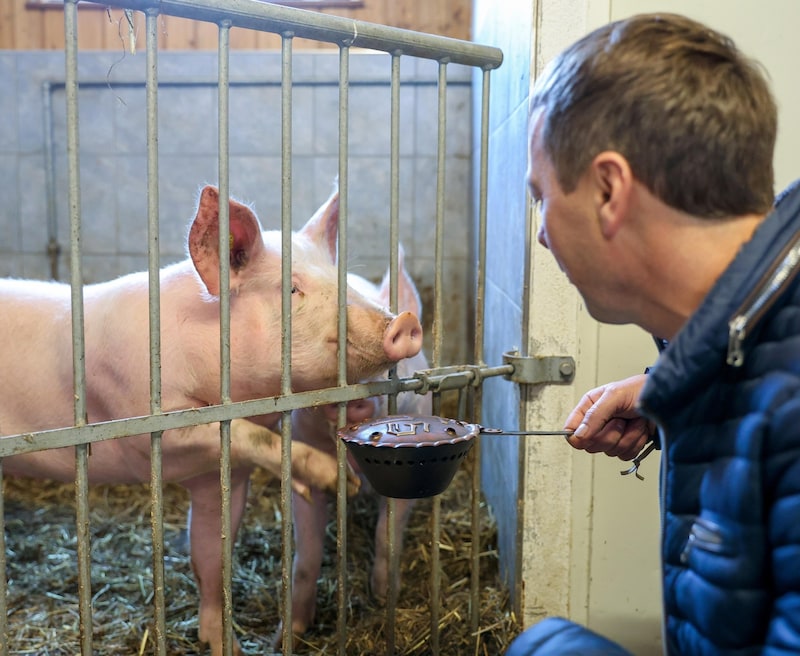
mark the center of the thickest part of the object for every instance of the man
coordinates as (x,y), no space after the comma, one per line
(651,145)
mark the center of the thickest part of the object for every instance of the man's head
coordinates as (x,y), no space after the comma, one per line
(693,117)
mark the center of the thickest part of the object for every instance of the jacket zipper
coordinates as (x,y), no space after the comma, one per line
(764,295)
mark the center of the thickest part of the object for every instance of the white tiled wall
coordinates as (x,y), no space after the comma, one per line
(114,165)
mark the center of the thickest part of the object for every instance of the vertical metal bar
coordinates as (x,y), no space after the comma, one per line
(286,344)
(78,340)
(480,315)
(225,336)
(394,239)
(341,453)
(394,177)
(154,303)
(50,176)
(436,510)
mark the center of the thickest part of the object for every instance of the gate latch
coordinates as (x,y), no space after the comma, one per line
(538,369)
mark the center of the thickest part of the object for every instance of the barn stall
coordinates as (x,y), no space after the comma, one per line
(110,201)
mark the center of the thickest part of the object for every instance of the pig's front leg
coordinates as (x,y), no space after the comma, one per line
(310,520)
(311,468)
(205,534)
(382,568)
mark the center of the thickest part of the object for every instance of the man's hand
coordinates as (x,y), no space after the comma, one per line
(607,420)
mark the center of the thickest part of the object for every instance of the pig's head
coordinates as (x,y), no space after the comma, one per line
(375,338)
(408,300)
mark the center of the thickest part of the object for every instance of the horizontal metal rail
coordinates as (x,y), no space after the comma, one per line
(445,378)
(342,31)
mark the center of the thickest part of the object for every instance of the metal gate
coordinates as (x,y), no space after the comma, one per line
(464,381)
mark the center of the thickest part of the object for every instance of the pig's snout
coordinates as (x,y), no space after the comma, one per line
(403,337)
(360,410)
(357,410)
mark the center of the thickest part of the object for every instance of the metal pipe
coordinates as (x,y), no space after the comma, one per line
(268,17)
(53,247)
(225,335)
(286,344)
(78,338)
(71,435)
(437,337)
(154,304)
(478,354)
(394,240)
(341,454)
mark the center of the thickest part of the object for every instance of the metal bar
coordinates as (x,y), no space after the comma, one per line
(437,337)
(71,435)
(78,339)
(394,230)
(394,181)
(483,185)
(154,291)
(341,453)
(53,248)
(286,344)
(267,17)
(478,354)
(225,336)
(88,83)
(441,158)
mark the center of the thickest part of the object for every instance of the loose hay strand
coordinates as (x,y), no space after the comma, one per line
(42,575)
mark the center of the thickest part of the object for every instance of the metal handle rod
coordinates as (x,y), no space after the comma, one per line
(500,431)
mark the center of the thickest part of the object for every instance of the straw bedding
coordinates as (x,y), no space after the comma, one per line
(43,584)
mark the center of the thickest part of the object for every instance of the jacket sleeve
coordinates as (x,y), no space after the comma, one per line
(783,501)
(556,636)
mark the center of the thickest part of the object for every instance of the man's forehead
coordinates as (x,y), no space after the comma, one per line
(535,122)
(535,152)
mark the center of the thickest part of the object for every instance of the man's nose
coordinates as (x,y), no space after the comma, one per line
(541,237)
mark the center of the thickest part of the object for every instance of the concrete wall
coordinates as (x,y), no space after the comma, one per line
(113,159)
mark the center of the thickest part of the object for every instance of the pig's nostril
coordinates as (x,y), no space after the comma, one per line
(412,334)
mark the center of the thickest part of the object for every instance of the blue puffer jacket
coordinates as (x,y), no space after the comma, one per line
(727,402)
(726,397)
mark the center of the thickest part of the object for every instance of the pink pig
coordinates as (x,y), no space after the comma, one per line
(316,427)
(36,367)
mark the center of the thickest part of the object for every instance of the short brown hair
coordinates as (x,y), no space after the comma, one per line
(693,116)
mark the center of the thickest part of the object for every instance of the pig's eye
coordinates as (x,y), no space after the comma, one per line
(295,289)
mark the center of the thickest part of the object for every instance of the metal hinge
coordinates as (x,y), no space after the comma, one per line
(538,369)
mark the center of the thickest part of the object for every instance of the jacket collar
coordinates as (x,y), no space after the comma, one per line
(699,351)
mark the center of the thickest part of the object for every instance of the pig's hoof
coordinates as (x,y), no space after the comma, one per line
(297,633)
(215,647)
(237,650)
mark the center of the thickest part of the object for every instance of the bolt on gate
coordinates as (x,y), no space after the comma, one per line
(465,380)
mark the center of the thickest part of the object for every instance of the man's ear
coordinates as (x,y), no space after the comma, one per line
(613,180)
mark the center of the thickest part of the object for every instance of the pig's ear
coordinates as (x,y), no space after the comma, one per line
(323,227)
(407,294)
(245,240)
